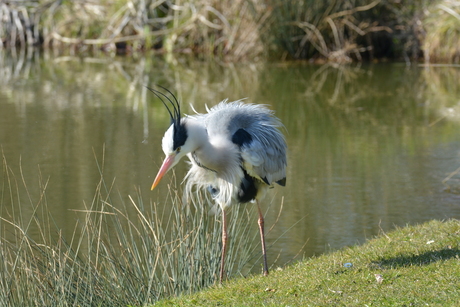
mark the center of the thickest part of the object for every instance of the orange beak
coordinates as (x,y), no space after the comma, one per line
(167,163)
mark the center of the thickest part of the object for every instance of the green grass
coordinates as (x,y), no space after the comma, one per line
(139,254)
(130,254)
(420,266)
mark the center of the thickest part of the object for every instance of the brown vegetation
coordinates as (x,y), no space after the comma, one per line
(339,31)
(443,32)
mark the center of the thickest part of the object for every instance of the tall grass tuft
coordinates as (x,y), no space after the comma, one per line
(131,255)
(442,27)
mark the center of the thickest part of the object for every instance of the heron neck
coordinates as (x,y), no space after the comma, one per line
(213,152)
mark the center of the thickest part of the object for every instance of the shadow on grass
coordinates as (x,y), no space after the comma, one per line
(420,259)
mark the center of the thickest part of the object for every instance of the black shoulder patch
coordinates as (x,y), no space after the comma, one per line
(241,137)
(248,189)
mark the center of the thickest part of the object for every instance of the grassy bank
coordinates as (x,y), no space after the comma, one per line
(339,31)
(411,266)
(135,254)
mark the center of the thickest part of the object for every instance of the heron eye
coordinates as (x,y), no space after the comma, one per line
(178,149)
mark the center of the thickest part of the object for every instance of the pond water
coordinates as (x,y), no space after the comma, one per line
(371,147)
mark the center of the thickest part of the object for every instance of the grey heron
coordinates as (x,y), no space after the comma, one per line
(236,151)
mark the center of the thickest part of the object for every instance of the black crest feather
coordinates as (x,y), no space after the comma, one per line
(180,133)
(175,114)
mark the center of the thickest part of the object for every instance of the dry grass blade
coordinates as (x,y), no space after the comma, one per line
(329,35)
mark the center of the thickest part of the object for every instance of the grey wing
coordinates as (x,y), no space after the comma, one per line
(255,130)
(264,157)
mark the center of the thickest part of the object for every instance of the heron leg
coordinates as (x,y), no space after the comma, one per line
(224,244)
(262,238)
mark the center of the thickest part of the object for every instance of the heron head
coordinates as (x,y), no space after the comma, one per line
(175,137)
(175,146)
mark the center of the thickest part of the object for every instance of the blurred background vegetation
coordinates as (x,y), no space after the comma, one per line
(339,31)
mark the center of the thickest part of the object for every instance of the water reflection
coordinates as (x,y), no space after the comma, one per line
(369,146)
